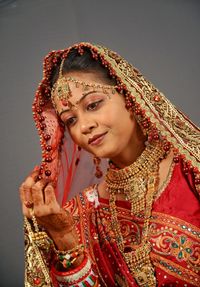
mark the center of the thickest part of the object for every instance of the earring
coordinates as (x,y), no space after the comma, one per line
(97,162)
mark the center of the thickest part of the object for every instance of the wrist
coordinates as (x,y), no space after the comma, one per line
(64,240)
(81,274)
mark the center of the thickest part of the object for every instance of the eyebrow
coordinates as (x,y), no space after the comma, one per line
(79,101)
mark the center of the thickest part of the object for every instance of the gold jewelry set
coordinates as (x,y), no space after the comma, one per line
(139,183)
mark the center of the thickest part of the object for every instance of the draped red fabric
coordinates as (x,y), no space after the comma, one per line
(174,234)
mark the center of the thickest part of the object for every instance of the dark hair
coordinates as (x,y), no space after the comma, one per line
(83,63)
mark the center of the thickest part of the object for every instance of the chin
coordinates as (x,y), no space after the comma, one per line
(105,155)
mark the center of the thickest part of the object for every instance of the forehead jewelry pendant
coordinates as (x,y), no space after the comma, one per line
(65,102)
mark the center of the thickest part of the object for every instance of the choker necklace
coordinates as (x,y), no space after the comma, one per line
(139,183)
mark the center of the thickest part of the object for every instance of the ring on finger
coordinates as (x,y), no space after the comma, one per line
(28,204)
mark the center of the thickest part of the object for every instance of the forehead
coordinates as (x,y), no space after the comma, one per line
(75,91)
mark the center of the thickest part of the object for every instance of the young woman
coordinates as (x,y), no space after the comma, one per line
(139,224)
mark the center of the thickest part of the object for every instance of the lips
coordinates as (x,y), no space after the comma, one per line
(96,139)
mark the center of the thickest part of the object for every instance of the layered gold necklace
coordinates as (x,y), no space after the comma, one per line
(139,183)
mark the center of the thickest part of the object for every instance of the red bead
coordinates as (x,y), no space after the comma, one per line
(48,148)
(39,110)
(197,180)
(47,172)
(37,281)
(176,159)
(47,137)
(41,118)
(166,147)
(145,124)
(155,136)
(48,159)
(156,98)
(41,103)
(42,126)
(137,111)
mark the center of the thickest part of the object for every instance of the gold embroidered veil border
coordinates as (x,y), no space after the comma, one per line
(174,125)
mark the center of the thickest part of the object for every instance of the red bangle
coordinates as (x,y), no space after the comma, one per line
(70,272)
(83,273)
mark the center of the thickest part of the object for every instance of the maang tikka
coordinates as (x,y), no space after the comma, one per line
(61,88)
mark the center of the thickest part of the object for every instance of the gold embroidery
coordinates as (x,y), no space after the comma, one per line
(36,267)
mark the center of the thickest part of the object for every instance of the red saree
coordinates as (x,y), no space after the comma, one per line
(174,234)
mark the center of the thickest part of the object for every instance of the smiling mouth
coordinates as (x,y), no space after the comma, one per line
(97,139)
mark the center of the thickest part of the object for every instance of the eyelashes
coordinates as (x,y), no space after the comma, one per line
(69,122)
(89,107)
(94,105)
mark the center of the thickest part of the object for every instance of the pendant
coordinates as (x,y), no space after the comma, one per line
(145,276)
(141,266)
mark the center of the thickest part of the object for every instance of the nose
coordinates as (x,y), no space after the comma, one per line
(87,124)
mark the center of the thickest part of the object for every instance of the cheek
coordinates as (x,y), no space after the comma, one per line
(125,121)
(77,138)
(74,135)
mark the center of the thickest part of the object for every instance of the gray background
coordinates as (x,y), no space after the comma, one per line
(160,37)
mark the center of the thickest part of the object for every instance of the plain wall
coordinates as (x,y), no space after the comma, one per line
(160,37)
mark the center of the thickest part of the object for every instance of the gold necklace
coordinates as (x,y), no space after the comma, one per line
(139,183)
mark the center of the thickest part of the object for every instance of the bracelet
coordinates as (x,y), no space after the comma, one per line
(68,257)
(81,273)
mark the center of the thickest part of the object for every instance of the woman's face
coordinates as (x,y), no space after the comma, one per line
(99,122)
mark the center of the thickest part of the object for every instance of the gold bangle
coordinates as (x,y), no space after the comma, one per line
(68,258)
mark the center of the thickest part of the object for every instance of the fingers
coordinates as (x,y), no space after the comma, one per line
(37,192)
(25,192)
(38,197)
(49,194)
(25,188)
(44,199)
